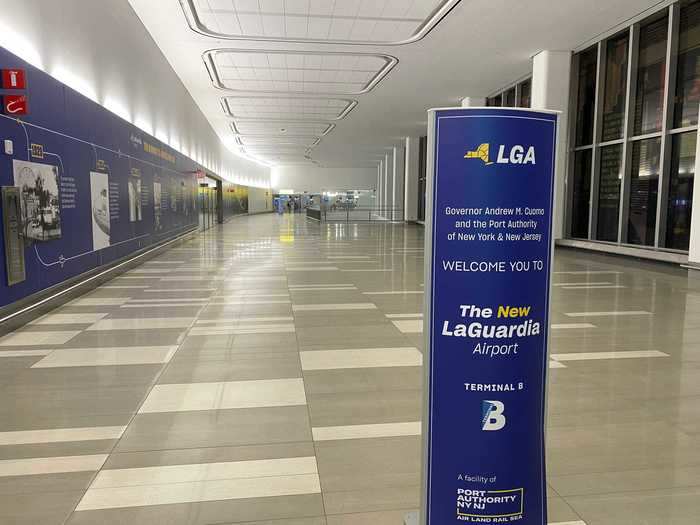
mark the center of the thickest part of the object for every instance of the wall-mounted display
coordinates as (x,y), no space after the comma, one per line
(41,213)
(99,192)
(135,212)
(157,197)
(14,243)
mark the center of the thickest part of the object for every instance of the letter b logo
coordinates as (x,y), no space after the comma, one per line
(492,418)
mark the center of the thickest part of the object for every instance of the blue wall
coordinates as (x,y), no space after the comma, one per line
(78,137)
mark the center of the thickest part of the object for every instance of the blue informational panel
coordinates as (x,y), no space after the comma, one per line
(489,247)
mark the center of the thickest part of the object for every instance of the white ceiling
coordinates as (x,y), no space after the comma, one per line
(347,21)
(336,82)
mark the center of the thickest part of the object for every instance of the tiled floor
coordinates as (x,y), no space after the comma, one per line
(269,372)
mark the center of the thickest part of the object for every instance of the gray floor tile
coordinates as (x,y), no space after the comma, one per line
(231,511)
(216,428)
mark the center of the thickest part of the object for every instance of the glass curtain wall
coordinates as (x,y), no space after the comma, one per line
(517,96)
(636,97)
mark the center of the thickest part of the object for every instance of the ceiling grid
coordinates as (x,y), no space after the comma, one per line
(302,94)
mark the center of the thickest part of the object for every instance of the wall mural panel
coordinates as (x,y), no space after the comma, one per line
(93,187)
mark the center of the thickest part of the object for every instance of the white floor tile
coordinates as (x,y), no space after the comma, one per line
(360,358)
(60,435)
(166,300)
(179,290)
(556,364)
(592,356)
(205,472)
(25,353)
(314,269)
(55,465)
(52,319)
(595,287)
(123,356)
(141,324)
(588,272)
(122,287)
(410,327)
(99,301)
(404,316)
(242,329)
(235,302)
(349,257)
(333,289)
(237,321)
(397,292)
(368,270)
(602,283)
(225,395)
(608,314)
(327,307)
(198,491)
(321,286)
(160,305)
(38,338)
(380,430)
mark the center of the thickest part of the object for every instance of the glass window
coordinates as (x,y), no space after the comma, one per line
(609,192)
(688,79)
(525,94)
(509,98)
(644,191)
(651,73)
(615,87)
(680,193)
(494,101)
(587,67)
(581,198)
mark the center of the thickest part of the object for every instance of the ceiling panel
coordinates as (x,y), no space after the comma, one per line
(280,140)
(270,128)
(360,22)
(310,73)
(288,108)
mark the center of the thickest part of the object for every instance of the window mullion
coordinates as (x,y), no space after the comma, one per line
(667,120)
(631,95)
(597,133)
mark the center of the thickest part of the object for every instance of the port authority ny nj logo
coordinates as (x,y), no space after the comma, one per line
(517,155)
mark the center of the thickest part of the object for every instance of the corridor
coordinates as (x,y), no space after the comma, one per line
(269,372)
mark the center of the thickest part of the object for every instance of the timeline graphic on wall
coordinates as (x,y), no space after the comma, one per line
(92,187)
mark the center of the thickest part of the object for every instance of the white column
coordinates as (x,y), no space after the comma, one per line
(387,175)
(551,72)
(474,102)
(694,250)
(397,185)
(410,204)
(380,186)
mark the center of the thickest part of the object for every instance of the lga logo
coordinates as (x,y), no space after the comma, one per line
(516,155)
(493,416)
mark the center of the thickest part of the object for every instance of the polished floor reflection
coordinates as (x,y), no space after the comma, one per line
(269,371)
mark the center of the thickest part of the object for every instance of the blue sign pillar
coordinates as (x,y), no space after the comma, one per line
(488,265)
